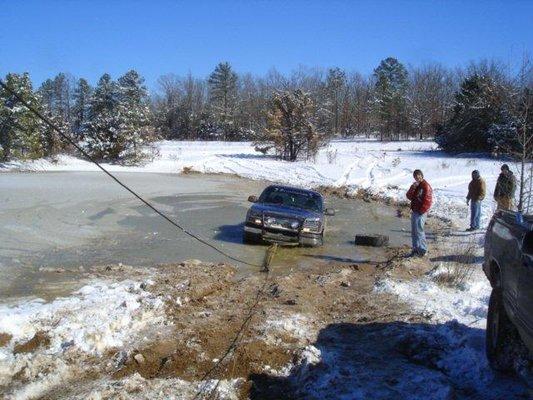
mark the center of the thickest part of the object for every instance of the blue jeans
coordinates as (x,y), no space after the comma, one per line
(475,214)
(418,235)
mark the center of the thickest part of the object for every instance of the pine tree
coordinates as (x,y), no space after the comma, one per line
(391,97)
(336,91)
(290,128)
(479,104)
(118,118)
(47,93)
(62,97)
(223,99)
(82,96)
(102,130)
(134,113)
(55,98)
(21,131)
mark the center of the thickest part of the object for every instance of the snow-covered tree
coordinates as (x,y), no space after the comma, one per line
(21,131)
(102,130)
(118,118)
(390,103)
(223,99)
(479,103)
(290,128)
(134,114)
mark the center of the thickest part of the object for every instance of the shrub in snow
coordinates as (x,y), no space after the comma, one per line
(290,126)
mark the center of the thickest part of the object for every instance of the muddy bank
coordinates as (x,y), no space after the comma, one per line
(200,329)
(204,307)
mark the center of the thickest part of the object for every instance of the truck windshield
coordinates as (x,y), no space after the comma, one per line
(285,197)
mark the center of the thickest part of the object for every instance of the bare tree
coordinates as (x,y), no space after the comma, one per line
(524,137)
(430,97)
(358,109)
(514,136)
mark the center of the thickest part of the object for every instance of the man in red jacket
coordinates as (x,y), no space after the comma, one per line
(421,196)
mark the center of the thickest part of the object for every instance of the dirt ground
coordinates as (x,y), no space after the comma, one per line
(248,328)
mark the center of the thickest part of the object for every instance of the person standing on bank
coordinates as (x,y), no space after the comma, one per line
(421,196)
(505,189)
(476,194)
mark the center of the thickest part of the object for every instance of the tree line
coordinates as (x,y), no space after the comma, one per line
(483,107)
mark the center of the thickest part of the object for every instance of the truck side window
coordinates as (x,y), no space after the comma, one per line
(527,245)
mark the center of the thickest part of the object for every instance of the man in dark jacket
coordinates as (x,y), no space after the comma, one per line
(505,189)
(421,196)
(476,194)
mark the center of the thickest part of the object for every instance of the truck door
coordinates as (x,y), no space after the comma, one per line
(506,246)
(525,289)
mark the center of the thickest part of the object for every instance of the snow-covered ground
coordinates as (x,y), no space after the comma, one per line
(93,329)
(98,317)
(384,169)
(454,341)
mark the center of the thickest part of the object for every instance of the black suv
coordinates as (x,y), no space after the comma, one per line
(284,214)
(508,265)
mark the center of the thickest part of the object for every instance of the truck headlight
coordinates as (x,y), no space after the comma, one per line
(312,225)
(255,217)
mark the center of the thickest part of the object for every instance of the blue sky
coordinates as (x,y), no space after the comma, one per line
(158,37)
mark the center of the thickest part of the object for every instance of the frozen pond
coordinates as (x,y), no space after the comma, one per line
(72,219)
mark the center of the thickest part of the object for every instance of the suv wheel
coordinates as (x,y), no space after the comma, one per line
(500,340)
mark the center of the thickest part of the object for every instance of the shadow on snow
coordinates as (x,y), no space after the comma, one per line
(391,361)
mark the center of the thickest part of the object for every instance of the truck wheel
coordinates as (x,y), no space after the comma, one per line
(500,339)
(249,238)
(320,240)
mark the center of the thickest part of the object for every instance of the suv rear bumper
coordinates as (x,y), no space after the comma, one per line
(279,236)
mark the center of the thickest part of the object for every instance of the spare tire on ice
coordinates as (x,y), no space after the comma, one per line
(371,240)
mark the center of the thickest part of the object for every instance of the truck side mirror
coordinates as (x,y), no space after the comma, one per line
(329,211)
(252,199)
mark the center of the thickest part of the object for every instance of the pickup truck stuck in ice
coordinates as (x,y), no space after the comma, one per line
(287,215)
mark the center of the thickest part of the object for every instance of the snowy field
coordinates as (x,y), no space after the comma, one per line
(384,169)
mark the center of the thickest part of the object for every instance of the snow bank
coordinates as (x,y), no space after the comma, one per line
(384,169)
(135,387)
(468,305)
(96,318)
